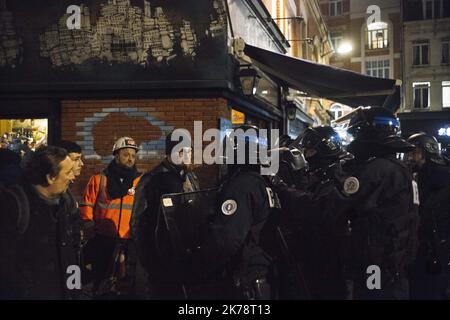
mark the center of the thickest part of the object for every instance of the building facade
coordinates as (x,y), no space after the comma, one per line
(304,27)
(100,70)
(366,37)
(129,68)
(426,80)
(141,69)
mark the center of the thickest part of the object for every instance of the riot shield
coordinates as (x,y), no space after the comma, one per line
(187,216)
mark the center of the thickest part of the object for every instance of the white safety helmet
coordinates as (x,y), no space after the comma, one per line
(125,142)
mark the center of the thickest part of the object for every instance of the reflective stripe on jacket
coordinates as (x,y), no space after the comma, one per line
(105,212)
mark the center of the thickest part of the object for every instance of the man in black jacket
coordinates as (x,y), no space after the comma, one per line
(147,225)
(39,231)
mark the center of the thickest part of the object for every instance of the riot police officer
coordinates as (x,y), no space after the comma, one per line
(326,228)
(382,209)
(319,230)
(239,252)
(431,270)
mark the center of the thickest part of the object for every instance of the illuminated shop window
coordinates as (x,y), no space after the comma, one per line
(23,135)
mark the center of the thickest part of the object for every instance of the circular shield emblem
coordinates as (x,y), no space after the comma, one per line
(229,207)
(351,185)
(131,191)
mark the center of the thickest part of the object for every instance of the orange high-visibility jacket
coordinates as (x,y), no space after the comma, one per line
(105,212)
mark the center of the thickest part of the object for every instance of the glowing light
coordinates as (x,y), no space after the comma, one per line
(345,48)
(444,132)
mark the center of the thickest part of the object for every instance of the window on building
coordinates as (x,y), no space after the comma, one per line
(446,94)
(437,9)
(335,8)
(445,52)
(336,39)
(446,9)
(421,95)
(432,9)
(421,52)
(378,35)
(378,68)
(337,111)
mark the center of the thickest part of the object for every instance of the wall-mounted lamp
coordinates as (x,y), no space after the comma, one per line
(291,110)
(345,48)
(249,78)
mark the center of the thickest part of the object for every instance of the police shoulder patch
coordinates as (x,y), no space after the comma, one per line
(415,193)
(229,207)
(351,185)
(167,202)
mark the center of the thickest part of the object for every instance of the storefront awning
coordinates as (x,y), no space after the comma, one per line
(318,80)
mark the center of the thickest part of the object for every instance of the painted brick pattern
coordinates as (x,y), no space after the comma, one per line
(97,124)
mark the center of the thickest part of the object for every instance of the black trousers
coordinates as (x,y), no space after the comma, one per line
(98,253)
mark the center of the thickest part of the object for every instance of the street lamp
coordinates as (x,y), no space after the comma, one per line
(345,48)
(249,78)
(341,50)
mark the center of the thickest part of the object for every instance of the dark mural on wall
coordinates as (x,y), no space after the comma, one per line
(115,40)
(10,43)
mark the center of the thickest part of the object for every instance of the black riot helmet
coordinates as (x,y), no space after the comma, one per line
(292,163)
(322,146)
(290,154)
(244,145)
(428,144)
(377,126)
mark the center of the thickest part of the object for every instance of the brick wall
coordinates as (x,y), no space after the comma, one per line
(97,124)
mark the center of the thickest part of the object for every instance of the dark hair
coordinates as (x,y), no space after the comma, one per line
(45,160)
(171,144)
(69,146)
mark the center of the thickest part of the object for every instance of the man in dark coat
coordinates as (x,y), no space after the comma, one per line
(40,231)
(147,225)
